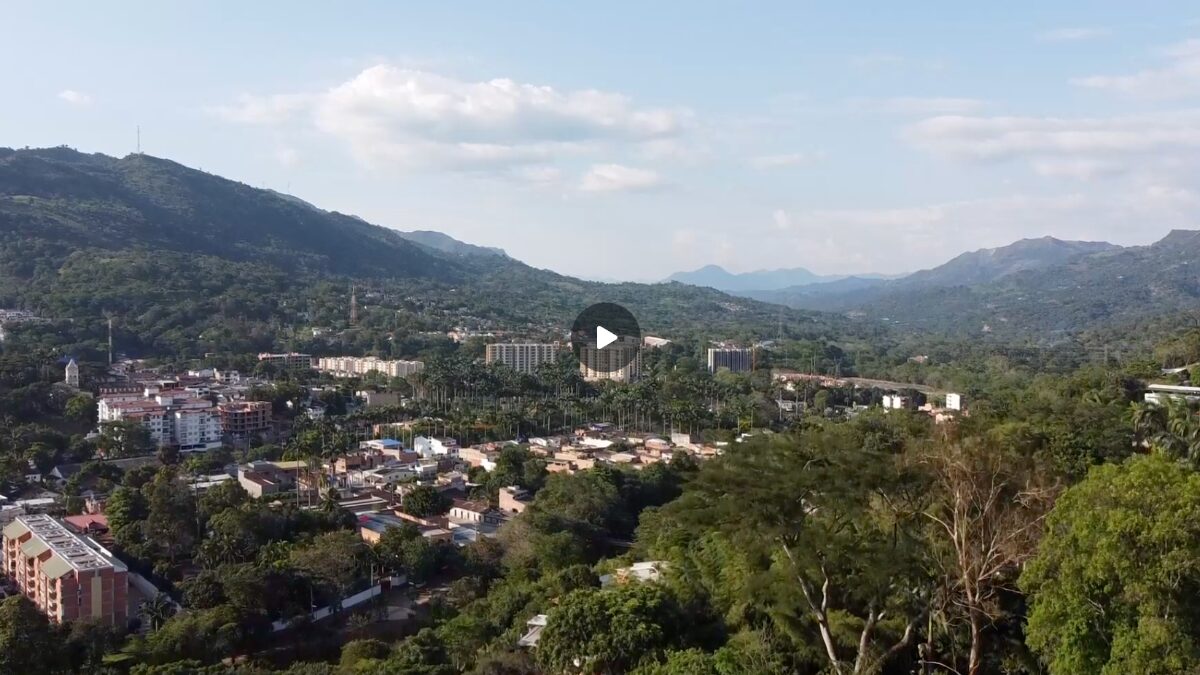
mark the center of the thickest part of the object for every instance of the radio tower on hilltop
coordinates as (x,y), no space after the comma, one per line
(353,305)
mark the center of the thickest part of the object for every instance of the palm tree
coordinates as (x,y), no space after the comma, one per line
(157,610)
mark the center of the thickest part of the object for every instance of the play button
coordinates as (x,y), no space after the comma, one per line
(607,341)
(604,337)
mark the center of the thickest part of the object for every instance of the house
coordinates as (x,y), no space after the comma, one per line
(1161,393)
(473,512)
(532,636)
(638,572)
(433,447)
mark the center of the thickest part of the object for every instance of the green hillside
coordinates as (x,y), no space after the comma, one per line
(188,263)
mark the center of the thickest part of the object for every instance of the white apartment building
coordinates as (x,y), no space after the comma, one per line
(434,447)
(523,357)
(736,359)
(620,361)
(190,424)
(354,366)
(953,401)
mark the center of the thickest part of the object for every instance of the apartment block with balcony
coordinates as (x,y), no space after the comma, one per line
(68,577)
(523,357)
(357,366)
(185,422)
(242,419)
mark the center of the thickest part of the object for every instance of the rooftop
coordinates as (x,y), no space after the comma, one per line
(64,544)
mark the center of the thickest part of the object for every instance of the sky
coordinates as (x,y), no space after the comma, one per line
(630,140)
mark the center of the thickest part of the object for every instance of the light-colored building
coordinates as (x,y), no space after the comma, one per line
(620,361)
(523,357)
(290,361)
(953,401)
(184,422)
(72,374)
(1161,393)
(434,447)
(379,399)
(242,419)
(654,342)
(68,577)
(896,402)
(357,366)
(736,359)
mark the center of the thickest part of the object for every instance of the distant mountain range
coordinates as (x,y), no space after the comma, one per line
(1039,288)
(715,276)
(447,244)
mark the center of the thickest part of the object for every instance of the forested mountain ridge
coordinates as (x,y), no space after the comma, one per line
(189,263)
(1038,289)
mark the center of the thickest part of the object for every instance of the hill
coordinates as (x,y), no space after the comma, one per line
(189,263)
(1041,289)
(444,243)
(715,276)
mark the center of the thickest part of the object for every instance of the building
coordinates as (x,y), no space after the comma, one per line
(620,361)
(434,447)
(243,419)
(638,572)
(72,374)
(896,402)
(523,357)
(184,422)
(380,399)
(289,361)
(654,342)
(260,479)
(473,512)
(357,366)
(1161,393)
(736,359)
(68,577)
(954,401)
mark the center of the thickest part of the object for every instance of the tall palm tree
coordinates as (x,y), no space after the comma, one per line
(157,610)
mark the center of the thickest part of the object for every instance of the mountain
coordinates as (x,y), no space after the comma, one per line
(714,276)
(449,245)
(189,263)
(1041,290)
(990,264)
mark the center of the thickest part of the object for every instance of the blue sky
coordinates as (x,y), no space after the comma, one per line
(631,140)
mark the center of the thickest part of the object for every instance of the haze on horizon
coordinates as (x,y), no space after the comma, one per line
(631,141)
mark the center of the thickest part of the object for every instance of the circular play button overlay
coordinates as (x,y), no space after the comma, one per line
(606,339)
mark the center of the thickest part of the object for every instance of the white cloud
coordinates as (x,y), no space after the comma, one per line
(268,110)
(900,239)
(781,219)
(1076,34)
(1065,146)
(926,105)
(1179,78)
(409,117)
(618,178)
(780,161)
(75,98)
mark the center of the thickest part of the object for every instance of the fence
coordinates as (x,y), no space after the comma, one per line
(348,602)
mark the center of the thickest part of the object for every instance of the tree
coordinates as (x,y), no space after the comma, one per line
(357,651)
(424,501)
(391,546)
(27,644)
(839,521)
(987,507)
(333,560)
(1114,585)
(157,610)
(81,409)
(610,631)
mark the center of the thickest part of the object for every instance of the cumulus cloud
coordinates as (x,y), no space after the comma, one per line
(1178,78)
(618,178)
(404,116)
(1064,146)
(75,98)
(1076,34)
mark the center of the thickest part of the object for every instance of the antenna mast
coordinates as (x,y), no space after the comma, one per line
(139,139)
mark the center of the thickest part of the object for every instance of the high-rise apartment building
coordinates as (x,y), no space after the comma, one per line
(736,359)
(185,422)
(523,357)
(619,361)
(241,419)
(291,361)
(68,577)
